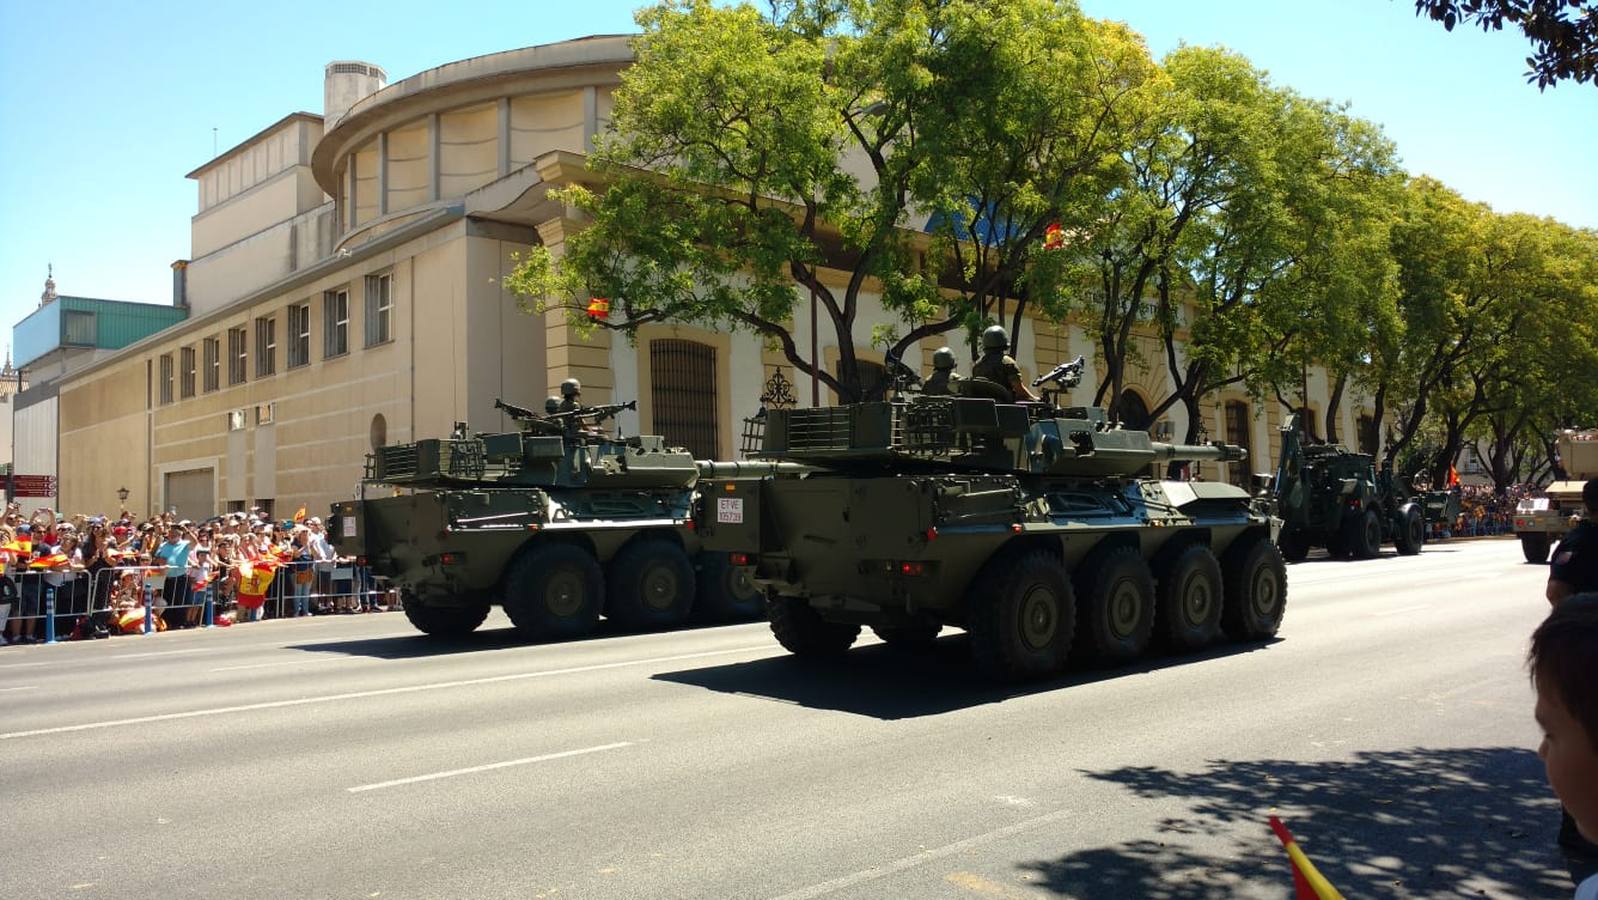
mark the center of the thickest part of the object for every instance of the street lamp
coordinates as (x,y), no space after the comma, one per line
(122,495)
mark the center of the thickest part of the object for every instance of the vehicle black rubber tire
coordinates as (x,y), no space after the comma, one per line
(908,636)
(803,632)
(1362,534)
(1534,545)
(1188,600)
(1254,581)
(553,591)
(1294,545)
(1411,532)
(1008,592)
(649,585)
(1115,606)
(445,621)
(725,592)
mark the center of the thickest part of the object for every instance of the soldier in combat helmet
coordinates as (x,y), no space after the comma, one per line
(997,366)
(551,405)
(944,378)
(571,395)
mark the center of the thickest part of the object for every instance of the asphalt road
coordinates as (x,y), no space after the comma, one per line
(1389,725)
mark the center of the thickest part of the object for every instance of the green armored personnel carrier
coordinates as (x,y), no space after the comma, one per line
(1329,496)
(556,522)
(1037,529)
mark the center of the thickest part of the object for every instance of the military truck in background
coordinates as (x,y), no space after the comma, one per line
(1541,521)
(556,522)
(1329,496)
(1037,529)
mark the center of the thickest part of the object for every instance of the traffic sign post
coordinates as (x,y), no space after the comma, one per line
(32,485)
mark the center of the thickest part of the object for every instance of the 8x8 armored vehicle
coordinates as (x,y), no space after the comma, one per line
(1329,496)
(556,522)
(1036,529)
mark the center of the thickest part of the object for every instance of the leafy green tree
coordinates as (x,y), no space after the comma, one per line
(752,150)
(1564,32)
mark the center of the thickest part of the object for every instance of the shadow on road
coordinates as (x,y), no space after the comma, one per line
(1462,822)
(421,646)
(900,683)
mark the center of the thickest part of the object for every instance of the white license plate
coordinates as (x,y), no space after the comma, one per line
(730,510)
(348,529)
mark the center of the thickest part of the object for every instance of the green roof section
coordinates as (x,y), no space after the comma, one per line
(88,323)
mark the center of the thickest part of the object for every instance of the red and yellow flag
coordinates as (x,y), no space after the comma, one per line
(1308,883)
(1054,237)
(299,514)
(254,580)
(21,546)
(49,562)
(598,308)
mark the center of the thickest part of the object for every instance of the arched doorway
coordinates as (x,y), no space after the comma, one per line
(1135,411)
(683,394)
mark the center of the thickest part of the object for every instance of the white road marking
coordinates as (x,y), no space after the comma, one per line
(489,767)
(380,692)
(294,662)
(25,665)
(164,653)
(1402,609)
(925,856)
(20,687)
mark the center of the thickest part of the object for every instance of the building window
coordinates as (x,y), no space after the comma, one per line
(379,308)
(874,381)
(186,372)
(683,394)
(265,347)
(78,328)
(335,322)
(1308,425)
(1237,433)
(237,351)
(166,378)
(213,364)
(265,413)
(299,350)
(235,420)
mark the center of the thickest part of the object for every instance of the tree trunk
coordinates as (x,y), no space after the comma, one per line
(1333,407)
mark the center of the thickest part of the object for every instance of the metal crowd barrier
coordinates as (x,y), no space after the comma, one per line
(64,601)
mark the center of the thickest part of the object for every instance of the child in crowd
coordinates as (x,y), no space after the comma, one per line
(1562,653)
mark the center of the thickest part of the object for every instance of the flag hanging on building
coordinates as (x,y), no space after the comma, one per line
(1308,883)
(598,308)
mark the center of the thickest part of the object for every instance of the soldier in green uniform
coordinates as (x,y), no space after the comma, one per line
(571,395)
(944,378)
(997,366)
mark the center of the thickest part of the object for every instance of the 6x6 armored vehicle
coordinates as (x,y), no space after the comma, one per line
(1036,529)
(1541,521)
(1329,496)
(556,522)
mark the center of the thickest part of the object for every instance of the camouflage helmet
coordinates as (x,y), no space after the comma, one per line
(994,337)
(552,404)
(571,387)
(943,358)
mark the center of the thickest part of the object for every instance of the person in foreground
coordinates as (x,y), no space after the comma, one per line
(1561,660)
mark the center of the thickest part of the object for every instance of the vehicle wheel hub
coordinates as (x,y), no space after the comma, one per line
(1039,617)
(1126,607)
(563,595)
(1197,601)
(660,588)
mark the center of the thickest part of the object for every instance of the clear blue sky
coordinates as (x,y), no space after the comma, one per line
(105,106)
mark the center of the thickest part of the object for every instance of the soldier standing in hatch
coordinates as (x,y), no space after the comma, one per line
(571,395)
(997,366)
(944,379)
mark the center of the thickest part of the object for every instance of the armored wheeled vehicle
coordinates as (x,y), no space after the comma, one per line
(1541,521)
(557,522)
(1037,529)
(1329,496)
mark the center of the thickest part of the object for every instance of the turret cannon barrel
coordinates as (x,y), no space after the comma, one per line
(1215,452)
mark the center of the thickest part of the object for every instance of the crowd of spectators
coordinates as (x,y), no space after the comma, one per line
(105,575)
(1485,511)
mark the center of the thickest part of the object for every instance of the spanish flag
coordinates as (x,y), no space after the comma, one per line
(1308,883)
(20,546)
(1054,237)
(299,515)
(254,580)
(599,308)
(48,562)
